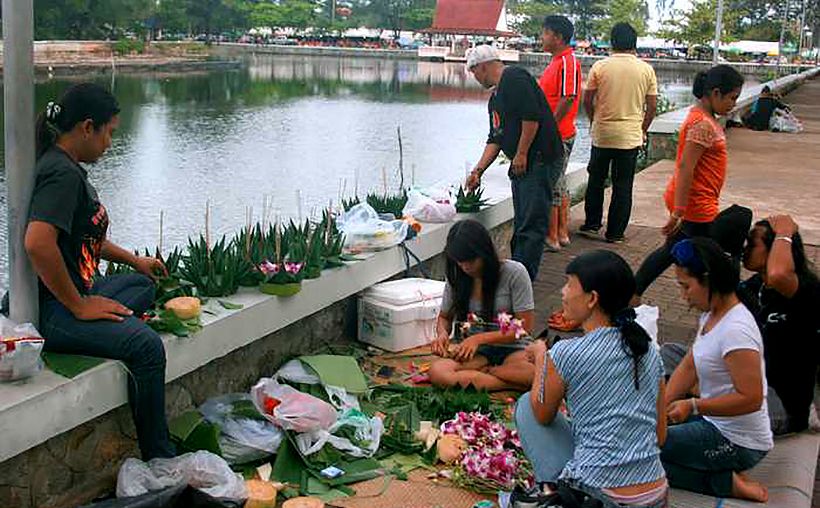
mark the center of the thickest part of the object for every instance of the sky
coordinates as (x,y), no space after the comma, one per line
(655,15)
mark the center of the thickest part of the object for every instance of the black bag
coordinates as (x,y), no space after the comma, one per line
(179,496)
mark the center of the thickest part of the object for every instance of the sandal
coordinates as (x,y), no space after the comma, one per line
(557,321)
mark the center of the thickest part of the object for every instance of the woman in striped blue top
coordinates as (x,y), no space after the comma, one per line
(612,382)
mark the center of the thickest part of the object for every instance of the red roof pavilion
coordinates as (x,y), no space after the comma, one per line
(471,17)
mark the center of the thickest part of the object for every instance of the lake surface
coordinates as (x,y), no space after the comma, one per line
(296,131)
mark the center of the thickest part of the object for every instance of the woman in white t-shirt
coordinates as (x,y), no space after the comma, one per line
(715,437)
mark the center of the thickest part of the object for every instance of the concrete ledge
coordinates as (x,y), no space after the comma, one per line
(788,472)
(34,410)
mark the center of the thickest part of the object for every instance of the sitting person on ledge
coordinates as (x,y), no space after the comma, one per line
(81,313)
(478,282)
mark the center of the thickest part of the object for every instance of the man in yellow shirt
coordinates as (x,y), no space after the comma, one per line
(620,100)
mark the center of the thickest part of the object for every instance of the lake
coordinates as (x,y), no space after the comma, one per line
(295,131)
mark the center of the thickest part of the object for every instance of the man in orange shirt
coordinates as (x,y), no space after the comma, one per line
(561,84)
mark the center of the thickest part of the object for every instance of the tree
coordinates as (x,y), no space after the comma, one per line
(696,26)
(291,13)
(634,12)
(527,16)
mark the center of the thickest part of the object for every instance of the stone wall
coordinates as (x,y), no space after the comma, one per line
(77,466)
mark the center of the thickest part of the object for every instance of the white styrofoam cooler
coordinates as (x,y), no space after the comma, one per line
(400,314)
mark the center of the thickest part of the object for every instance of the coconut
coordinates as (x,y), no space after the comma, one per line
(184,307)
(261,494)
(303,502)
(450,447)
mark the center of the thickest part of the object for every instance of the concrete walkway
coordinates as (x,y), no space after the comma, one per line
(768,172)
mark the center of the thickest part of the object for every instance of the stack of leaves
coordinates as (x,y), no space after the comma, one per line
(166,321)
(213,270)
(382,203)
(470,201)
(254,246)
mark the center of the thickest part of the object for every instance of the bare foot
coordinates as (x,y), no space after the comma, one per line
(745,488)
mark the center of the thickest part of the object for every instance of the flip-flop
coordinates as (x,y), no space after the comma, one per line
(558,322)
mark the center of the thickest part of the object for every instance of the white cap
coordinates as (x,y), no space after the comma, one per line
(481,54)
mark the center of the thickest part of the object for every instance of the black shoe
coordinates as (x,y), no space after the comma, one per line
(591,232)
(615,239)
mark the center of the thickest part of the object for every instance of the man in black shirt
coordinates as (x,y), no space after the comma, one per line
(762,110)
(522,126)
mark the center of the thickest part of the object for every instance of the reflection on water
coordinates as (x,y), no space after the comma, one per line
(320,126)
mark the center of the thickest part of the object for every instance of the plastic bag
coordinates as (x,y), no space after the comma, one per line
(241,440)
(368,432)
(785,121)
(296,371)
(178,496)
(295,410)
(201,470)
(20,348)
(425,208)
(647,317)
(364,231)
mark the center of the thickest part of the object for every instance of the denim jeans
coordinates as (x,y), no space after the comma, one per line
(622,164)
(532,201)
(131,341)
(657,262)
(698,458)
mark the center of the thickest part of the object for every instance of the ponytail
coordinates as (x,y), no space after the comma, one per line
(634,339)
(85,101)
(609,275)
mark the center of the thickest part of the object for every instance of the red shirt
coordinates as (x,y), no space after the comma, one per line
(562,78)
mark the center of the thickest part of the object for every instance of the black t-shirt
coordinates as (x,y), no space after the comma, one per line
(517,98)
(64,198)
(791,333)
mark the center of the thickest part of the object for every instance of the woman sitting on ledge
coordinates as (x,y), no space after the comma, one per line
(81,313)
(479,283)
(715,437)
(613,385)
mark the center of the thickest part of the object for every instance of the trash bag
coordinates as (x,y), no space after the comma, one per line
(178,496)
(367,434)
(243,438)
(201,470)
(20,349)
(425,208)
(291,409)
(295,371)
(364,231)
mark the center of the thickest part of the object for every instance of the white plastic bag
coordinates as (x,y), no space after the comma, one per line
(295,371)
(785,121)
(296,411)
(426,208)
(241,440)
(647,317)
(364,231)
(20,349)
(368,432)
(201,470)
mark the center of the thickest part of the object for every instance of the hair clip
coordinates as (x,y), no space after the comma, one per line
(53,110)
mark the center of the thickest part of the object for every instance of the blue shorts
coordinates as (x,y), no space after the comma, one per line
(497,353)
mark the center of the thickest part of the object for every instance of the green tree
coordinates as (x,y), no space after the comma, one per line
(528,16)
(291,13)
(634,12)
(696,26)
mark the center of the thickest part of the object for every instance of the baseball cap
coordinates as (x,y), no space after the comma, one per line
(481,54)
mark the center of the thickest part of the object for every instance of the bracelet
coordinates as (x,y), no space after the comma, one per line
(695,411)
(784,238)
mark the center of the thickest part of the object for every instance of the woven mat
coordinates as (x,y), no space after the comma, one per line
(416,492)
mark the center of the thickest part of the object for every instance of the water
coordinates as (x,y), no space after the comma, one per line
(281,127)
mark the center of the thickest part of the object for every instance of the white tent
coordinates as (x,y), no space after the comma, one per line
(765,47)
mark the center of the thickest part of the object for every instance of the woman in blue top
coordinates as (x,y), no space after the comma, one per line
(613,385)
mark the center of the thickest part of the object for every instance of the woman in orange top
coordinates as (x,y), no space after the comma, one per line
(692,195)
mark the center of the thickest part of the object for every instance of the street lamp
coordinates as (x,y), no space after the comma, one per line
(718,29)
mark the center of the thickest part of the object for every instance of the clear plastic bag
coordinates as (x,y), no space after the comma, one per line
(785,121)
(368,432)
(647,317)
(241,440)
(20,349)
(201,470)
(294,410)
(426,208)
(364,231)
(296,371)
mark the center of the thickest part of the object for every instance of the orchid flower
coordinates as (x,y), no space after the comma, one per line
(268,268)
(293,268)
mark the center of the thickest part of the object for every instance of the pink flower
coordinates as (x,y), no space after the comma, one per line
(293,268)
(269,268)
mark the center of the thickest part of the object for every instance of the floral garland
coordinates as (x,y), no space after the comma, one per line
(505,322)
(493,459)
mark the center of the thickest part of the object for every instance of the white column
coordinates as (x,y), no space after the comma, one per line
(18,96)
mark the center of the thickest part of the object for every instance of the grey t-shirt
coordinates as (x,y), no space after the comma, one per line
(514,293)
